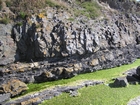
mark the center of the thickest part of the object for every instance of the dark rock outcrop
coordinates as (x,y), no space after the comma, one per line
(130,77)
(46,48)
(60,49)
(121,82)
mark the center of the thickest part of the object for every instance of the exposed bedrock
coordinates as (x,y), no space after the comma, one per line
(48,39)
(58,48)
(46,48)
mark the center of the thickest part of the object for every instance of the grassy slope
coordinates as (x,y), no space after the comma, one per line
(105,75)
(97,95)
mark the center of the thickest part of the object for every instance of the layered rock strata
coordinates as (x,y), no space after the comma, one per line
(58,45)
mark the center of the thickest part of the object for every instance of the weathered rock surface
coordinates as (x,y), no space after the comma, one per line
(121,82)
(14,87)
(7,45)
(57,48)
(133,76)
(130,77)
(4,98)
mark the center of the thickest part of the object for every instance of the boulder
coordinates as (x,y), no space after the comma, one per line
(121,82)
(45,76)
(68,72)
(74,93)
(14,87)
(94,62)
(138,71)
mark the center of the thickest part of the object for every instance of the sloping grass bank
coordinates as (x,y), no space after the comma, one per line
(96,95)
(105,75)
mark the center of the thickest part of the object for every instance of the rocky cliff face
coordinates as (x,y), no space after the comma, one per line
(7,45)
(57,47)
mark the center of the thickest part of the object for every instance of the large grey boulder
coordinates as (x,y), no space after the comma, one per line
(138,71)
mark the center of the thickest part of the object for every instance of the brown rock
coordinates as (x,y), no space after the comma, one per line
(68,70)
(77,66)
(94,62)
(14,87)
(31,101)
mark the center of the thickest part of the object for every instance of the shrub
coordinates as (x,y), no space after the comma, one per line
(71,19)
(5,20)
(22,8)
(8,3)
(90,9)
(19,23)
(22,15)
(52,4)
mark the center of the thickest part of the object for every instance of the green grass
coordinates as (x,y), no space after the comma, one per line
(93,95)
(52,4)
(91,9)
(105,75)
(5,20)
(97,95)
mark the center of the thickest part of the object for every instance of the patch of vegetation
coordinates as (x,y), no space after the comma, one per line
(5,20)
(19,23)
(8,3)
(22,15)
(30,6)
(52,4)
(100,94)
(90,9)
(97,95)
(71,19)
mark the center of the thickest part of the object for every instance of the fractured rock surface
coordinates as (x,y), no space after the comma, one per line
(52,47)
